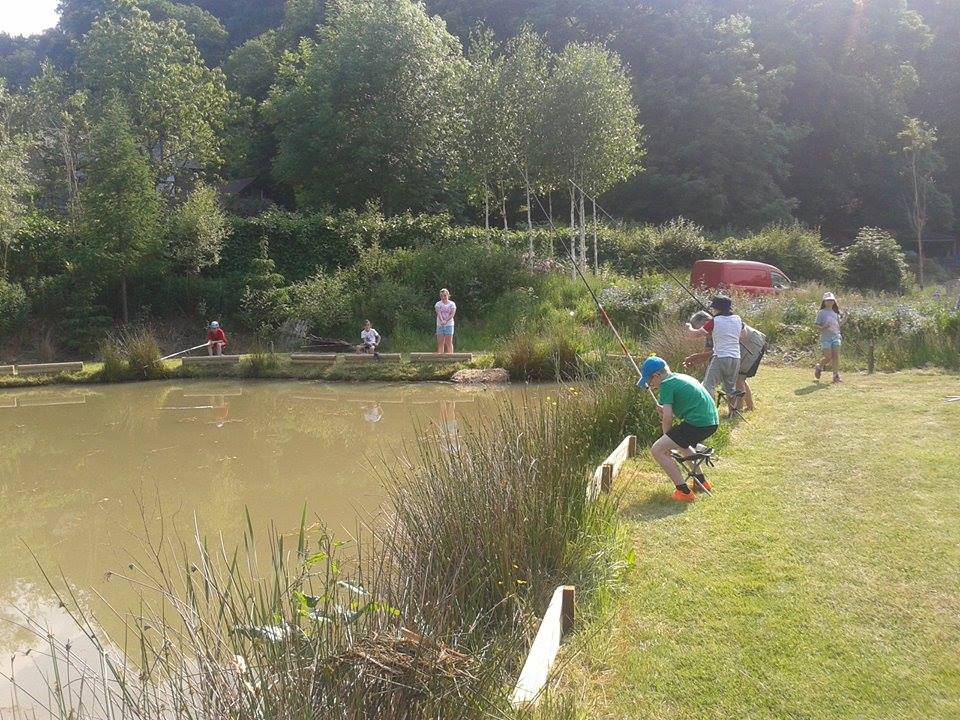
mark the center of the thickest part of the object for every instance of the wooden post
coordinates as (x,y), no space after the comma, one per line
(568,610)
(632,446)
(606,477)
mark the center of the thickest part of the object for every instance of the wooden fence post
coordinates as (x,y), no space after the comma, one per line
(568,611)
(632,446)
(606,477)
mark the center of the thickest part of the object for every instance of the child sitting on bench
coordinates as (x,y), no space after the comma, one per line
(370,340)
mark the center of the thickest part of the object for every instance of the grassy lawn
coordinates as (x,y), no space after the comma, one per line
(822,580)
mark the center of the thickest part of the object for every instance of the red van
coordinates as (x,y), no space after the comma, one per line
(754,278)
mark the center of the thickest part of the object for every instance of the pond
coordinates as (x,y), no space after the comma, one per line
(84,471)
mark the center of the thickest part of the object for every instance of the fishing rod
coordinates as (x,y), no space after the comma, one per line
(732,402)
(184,352)
(651,254)
(596,300)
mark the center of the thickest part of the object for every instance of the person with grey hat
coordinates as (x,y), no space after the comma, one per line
(726,331)
(752,350)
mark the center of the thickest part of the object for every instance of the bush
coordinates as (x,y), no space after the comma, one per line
(143,353)
(875,261)
(323,301)
(799,252)
(265,304)
(260,363)
(635,307)
(13,307)
(114,363)
(539,356)
(680,243)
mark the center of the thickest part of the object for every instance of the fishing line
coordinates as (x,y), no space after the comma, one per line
(576,267)
(650,254)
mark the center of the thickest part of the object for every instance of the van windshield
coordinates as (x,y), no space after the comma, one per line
(779,281)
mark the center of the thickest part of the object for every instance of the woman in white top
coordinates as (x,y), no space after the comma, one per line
(446,310)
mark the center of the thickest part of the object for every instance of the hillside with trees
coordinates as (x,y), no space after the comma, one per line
(172,157)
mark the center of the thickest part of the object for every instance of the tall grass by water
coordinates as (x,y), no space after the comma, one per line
(427,615)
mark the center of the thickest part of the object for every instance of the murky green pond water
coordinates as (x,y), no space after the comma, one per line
(78,465)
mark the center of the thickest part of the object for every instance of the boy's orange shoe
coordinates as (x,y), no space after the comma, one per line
(702,485)
(683,497)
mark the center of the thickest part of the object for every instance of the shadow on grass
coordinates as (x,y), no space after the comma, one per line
(655,508)
(812,388)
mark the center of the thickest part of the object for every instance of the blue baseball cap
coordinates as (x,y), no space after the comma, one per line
(651,365)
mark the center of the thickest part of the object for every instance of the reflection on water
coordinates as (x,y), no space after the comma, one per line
(78,467)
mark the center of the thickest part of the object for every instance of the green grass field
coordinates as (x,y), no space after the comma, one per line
(822,580)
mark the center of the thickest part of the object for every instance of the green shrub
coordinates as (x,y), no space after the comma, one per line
(143,353)
(680,243)
(629,252)
(875,261)
(389,304)
(635,307)
(539,356)
(799,252)
(13,307)
(114,363)
(265,303)
(259,363)
(323,301)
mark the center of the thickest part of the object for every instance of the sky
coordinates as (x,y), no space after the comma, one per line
(26,17)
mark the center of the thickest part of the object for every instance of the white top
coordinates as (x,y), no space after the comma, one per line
(726,331)
(370,337)
(445,312)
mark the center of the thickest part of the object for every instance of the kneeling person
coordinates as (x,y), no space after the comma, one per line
(681,397)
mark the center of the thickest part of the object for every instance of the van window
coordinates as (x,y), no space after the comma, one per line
(779,281)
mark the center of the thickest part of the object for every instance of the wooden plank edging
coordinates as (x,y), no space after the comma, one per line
(49,368)
(607,471)
(6,369)
(441,358)
(557,622)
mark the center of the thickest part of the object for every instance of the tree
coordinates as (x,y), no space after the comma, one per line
(56,117)
(15,182)
(177,106)
(525,77)
(122,210)
(196,230)
(921,162)
(485,152)
(372,110)
(596,137)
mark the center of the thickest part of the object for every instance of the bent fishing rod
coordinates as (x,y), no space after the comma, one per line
(665,269)
(593,295)
(650,254)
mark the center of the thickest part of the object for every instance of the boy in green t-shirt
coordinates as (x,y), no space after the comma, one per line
(685,399)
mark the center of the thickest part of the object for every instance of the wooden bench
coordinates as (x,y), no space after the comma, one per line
(49,368)
(435,358)
(361,359)
(201,360)
(313,358)
(6,369)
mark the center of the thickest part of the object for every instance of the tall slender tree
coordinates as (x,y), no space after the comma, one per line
(122,210)
(922,161)
(597,137)
(15,181)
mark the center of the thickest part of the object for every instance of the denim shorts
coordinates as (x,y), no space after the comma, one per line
(445,329)
(829,344)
